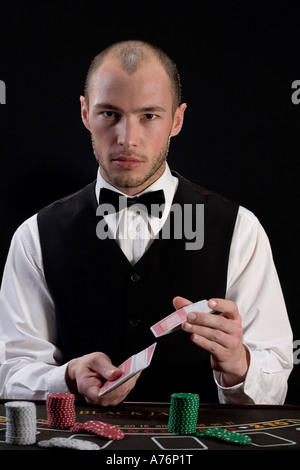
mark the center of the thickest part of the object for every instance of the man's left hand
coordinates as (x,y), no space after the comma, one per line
(221,335)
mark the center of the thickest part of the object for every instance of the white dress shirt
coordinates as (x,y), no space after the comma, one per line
(30,359)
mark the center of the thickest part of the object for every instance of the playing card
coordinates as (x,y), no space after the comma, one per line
(129,368)
(173,321)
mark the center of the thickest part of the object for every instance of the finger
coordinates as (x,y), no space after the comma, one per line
(214,328)
(212,347)
(119,394)
(211,336)
(211,331)
(102,365)
(92,371)
(92,392)
(228,308)
(180,302)
(203,319)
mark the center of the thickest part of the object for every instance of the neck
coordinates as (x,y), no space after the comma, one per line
(134,188)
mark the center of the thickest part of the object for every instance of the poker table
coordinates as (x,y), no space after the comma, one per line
(147,437)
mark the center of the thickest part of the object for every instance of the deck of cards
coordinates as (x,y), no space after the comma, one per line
(129,368)
(174,321)
(141,360)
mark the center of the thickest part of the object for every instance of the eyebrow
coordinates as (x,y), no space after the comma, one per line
(146,109)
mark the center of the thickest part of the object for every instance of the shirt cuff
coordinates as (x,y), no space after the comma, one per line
(239,393)
(56,382)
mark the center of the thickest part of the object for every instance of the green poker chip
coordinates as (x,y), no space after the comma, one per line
(183,416)
(183,413)
(225,435)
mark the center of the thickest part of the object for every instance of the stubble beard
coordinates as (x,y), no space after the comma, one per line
(127,180)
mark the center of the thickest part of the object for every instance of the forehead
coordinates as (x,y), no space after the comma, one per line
(146,86)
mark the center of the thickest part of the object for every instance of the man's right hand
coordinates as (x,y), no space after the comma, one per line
(86,375)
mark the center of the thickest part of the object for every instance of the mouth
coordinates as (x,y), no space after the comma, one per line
(126,161)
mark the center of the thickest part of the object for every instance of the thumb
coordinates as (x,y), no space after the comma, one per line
(111,373)
(101,364)
(180,302)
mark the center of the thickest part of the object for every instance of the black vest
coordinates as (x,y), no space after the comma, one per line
(103,303)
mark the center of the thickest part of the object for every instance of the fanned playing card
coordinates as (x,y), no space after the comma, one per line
(129,368)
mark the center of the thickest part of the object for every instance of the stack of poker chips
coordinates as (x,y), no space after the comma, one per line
(60,410)
(20,422)
(225,435)
(183,413)
(67,443)
(100,428)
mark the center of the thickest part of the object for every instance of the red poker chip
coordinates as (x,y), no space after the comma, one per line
(61,415)
(104,430)
(60,410)
(77,427)
(101,429)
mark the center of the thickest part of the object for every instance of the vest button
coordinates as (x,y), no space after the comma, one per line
(135,321)
(135,277)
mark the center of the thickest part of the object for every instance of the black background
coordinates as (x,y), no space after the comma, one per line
(240,137)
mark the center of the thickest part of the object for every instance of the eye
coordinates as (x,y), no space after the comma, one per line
(108,114)
(150,116)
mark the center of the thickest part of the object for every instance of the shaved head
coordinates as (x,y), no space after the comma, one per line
(132,55)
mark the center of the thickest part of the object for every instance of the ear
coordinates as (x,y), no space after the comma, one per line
(178,119)
(84,113)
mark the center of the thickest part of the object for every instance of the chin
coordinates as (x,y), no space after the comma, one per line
(127,182)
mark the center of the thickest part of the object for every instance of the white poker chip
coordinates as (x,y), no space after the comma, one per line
(45,443)
(20,423)
(67,443)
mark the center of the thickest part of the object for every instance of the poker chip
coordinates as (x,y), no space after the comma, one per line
(183,413)
(20,422)
(100,428)
(60,410)
(225,435)
(67,443)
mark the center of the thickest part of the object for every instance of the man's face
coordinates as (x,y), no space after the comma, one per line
(131,120)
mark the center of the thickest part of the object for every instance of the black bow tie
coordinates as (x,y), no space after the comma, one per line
(148,201)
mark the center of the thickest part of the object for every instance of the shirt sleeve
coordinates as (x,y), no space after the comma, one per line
(29,360)
(254,286)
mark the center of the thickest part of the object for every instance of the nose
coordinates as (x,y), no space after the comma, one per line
(128,132)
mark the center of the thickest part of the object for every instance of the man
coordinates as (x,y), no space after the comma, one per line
(79,293)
